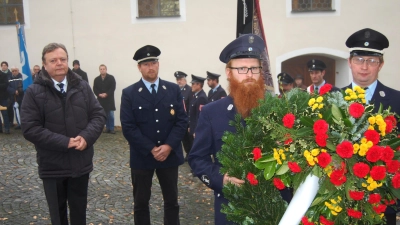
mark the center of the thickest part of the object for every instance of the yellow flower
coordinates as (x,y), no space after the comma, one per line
(380,121)
(320,99)
(363,101)
(339,198)
(356,147)
(364,185)
(306,153)
(334,213)
(333,201)
(353,96)
(315,106)
(364,147)
(283,156)
(311,102)
(348,91)
(361,96)
(320,115)
(369,188)
(362,152)
(371,120)
(338,209)
(371,128)
(323,150)
(370,180)
(321,105)
(280,151)
(357,88)
(347,98)
(315,152)
(370,144)
(327,204)
(363,140)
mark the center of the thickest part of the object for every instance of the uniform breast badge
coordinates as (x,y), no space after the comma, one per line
(172,112)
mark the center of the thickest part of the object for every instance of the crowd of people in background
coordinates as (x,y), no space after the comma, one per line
(158,118)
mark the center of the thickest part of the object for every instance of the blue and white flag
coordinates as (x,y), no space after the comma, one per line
(23,54)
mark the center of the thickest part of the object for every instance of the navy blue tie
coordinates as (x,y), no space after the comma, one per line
(153,90)
(61,85)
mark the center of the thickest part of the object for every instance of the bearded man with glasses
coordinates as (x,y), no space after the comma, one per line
(365,61)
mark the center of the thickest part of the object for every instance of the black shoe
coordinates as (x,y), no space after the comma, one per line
(17,128)
(112,132)
(106,131)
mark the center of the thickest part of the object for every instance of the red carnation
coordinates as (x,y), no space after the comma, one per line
(278,183)
(378,172)
(356,195)
(396,181)
(320,139)
(391,202)
(324,159)
(379,209)
(390,123)
(387,154)
(320,127)
(356,110)
(288,141)
(252,179)
(374,198)
(360,169)
(294,167)
(325,221)
(392,166)
(288,120)
(372,135)
(345,149)
(374,153)
(256,153)
(325,89)
(305,221)
(354,213)
(337,177)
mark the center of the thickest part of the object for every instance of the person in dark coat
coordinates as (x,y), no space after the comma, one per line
(246,86)
(153,122)
(317,69)
(299,79)
(63,119)
(35,71)
(198,100)
(77,69)
(104,88)
(4,102)
(186,92)
(285,83)
(365,61)
(16,94)
(216,92)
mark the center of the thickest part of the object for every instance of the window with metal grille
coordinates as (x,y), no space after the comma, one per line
(10,10)
(158,8)
(311,5)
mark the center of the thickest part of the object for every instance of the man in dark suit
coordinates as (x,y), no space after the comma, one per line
(216,92)
(154,122)
(243,70)
(285,83)
(186,92)
(198,100)
(365,62)
(317,69)
(77,69)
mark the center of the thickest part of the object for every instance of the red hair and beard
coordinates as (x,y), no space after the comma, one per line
(246,95)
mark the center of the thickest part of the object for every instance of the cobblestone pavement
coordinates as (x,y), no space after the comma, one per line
(110,200)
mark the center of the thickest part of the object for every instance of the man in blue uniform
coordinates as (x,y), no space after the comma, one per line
(246,86)
(365,61)
(197,101)
(154,122)
(317,69)
(285,83)
(216,92)
(186,92)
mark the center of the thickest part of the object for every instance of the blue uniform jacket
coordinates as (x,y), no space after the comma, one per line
(218,94)
(148,122)
(195,106)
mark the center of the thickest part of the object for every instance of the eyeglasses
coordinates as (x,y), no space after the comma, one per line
(370,62)
(245,70)
(62,60)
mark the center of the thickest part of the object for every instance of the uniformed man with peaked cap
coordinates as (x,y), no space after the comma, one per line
(186,92)
(299,82)
(366,48)
(243,70)
(317,69)
(197,101)
(216,92)
(285,82)
(153,122)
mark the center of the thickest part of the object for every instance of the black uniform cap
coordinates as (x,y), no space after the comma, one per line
(75,62)
(212,76)
(146,54)
(285,78)
(245,46)
(180,74)
(299,76)
(367,42)
(315,64)
(197,79)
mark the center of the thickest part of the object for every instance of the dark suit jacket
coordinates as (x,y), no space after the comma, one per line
(148,122)
(214,96)
(186,93)
(196,104)
(105,86)
(387,97)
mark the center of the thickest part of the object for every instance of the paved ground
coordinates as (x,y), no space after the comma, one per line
(22,200)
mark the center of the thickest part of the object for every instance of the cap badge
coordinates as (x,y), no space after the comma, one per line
(251,39)
(148,54)
(230,106)
(382,93)
(366,43)
(176,73)
(140,89)
(313,66)
(367,34)
(250,49)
